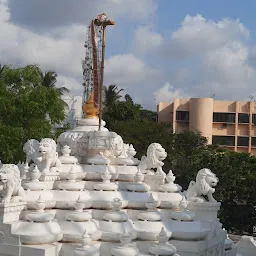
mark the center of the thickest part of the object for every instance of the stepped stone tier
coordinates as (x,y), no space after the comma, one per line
(88,195)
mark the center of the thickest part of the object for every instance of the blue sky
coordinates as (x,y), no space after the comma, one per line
(158,50)
(169,15)
(216,10)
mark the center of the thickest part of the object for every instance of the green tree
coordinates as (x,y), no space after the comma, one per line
(124,110)
(236,187)
(149,115)
(1,69)
(111,95)
(49,80)
(188,152)
(141,133)
(28,109)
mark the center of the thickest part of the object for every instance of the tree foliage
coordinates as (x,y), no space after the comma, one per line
(119,110)
(28,109)
(111,95)
(49,80)
(188,152)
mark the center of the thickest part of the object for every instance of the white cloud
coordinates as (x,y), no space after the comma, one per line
(197,35)
(74,85)
(146,40)
(134,9)
(216,58)
(61,49)
(126,70)
(21,47)
(230,62)
(167,93)
(47,14)
(227,71)
(200,58)
(223,51)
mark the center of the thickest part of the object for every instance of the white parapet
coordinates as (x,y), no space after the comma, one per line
(246,246)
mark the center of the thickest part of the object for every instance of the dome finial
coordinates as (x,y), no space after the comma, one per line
(89,107)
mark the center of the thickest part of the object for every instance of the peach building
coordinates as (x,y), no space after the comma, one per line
(227,123)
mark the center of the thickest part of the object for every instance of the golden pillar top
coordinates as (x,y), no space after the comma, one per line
(89,107)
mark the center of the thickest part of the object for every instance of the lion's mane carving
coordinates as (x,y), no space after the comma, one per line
(10,185)
(205,181)
(31,148)
(155,155)
(118,149)
(43,154)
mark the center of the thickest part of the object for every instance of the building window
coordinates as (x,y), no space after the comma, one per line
(254,119)
(223,140)
(224,117)
(243,141)
(243,118)
(253,142)
(182,116)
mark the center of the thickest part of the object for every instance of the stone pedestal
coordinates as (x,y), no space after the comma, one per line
(42,250)
(50,176)
(246,246)
(10,212)
(204,211)
(154,181)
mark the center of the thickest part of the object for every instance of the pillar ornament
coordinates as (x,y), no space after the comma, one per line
(89,107)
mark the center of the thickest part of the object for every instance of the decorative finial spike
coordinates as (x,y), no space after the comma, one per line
(89,107)
(79,198)
(86,234)
(183,203)
(86,239)
(163,232)
(151,198)
(125,238)
(40,199)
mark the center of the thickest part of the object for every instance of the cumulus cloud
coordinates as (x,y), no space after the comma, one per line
(214,58)
(21,47)
(201,57)
(168,93)
(61,48)
(29,47)
(74,85)
(126,70)
(146,40)
(197,35)
(47,13)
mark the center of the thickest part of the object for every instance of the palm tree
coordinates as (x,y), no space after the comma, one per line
(49,80)
(128,98)
(2,67)
(111,95)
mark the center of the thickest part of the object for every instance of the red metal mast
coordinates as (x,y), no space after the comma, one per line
(104,21)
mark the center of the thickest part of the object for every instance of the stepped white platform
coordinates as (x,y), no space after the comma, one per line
(97,199)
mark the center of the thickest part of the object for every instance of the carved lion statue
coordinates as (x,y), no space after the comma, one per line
(155,155)
(205,181)
(43,154)
(31,148)
(116,147)
(10,184)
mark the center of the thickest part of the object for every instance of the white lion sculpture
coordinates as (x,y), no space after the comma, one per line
(205,181)
(10,184)
(155,155)
(31,148)
(43,154)
(118,148)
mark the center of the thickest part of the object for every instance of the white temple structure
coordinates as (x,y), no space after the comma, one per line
(89,195)
(73,111)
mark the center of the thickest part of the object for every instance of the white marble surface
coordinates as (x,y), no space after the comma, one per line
(105,209)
